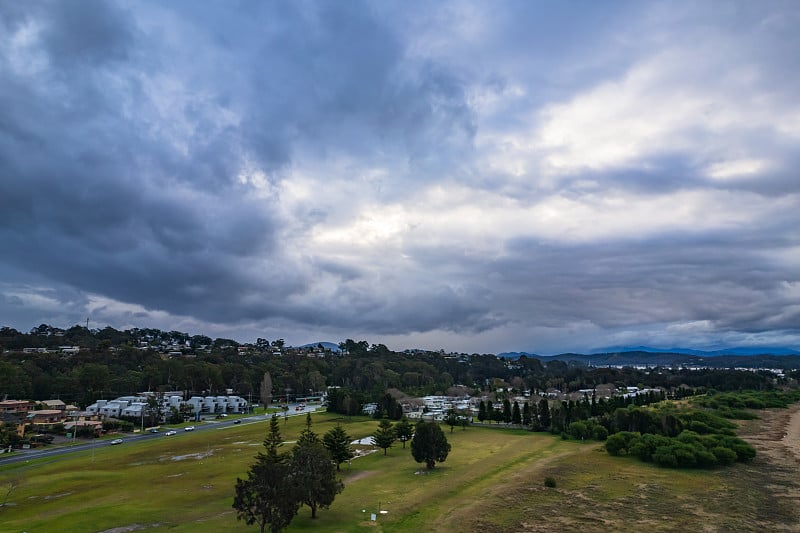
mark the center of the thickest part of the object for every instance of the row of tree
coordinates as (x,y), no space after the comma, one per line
(278,484)
(558,416)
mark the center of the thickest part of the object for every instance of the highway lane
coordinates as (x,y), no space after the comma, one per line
(58,450)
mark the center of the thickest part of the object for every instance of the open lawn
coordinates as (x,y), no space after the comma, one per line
(492,481)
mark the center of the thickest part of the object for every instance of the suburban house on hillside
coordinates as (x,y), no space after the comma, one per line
(46,416)
(15,407)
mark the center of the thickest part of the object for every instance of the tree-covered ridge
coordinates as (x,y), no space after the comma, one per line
(115,363)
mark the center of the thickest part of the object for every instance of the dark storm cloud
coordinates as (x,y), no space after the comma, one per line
(401,168)
(88,192)
(91,195)
(86,33)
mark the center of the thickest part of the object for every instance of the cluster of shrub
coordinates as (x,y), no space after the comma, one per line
(733,404)
(687,450)
(663,433)
(586,430)
(699,436)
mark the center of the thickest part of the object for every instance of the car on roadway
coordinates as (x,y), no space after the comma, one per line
(116,441)
(170,433)
(189,428)
(237,421)
(154,430)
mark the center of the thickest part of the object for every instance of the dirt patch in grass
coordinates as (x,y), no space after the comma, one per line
(359,476)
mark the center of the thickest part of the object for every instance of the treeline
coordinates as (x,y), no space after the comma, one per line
(112,363)
(694,435)
(588,418)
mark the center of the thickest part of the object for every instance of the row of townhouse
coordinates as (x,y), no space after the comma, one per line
(217,404)
(136,406)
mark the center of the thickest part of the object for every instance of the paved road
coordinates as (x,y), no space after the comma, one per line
(19,456)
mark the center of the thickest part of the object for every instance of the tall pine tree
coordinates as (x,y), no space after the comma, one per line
(337,442)
(267,495)
(384,436)
(313,472)
(404,430)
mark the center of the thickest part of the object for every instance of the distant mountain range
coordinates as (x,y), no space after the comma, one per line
(745,356)
(763,357)
(738,351)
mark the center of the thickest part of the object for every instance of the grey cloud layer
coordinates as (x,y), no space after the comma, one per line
(263,166)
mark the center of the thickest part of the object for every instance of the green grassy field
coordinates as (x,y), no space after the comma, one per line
(492,481)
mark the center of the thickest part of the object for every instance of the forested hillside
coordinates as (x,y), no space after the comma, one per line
(113,363)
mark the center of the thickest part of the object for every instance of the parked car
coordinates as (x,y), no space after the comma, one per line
(154,430)
(170,433)
(189,428)
(116,441)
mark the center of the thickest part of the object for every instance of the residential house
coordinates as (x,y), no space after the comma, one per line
(54,404)
(15,406)
(46,416)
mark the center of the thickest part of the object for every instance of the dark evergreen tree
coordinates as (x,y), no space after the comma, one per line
(307,436)
(314,475)
(516,416)
(481,411)
(337,442)
(544,414)
(267,495)
(451,419)
(384,436)
(526,414)
(497,415)
(429,444)
(535,423)
(404,430)
(506,411)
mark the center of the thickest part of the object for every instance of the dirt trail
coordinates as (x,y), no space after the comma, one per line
(792,436)
(776,438)
(776,435)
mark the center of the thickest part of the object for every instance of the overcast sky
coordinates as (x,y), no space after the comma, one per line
(472,176)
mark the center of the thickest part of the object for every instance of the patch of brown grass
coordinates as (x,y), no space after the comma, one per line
(596,492)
